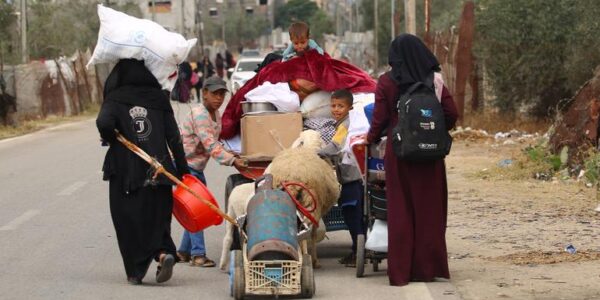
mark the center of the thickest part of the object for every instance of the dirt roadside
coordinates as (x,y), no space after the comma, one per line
(506,239)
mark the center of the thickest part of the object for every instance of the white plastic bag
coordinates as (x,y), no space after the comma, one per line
(359,125)
(377,239)
(278,94)
(316,105)
(122,36)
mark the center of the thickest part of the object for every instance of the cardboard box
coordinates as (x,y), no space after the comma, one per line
(264,135)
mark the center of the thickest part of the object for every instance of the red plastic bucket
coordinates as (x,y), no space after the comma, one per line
(190,211)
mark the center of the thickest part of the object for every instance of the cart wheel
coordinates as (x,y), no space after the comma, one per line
(239,283)
(233,181)
(375,265)
(360,255)
(236,242)
(307,277)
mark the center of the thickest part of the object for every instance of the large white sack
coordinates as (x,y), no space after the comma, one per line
(317,105)
(123,36)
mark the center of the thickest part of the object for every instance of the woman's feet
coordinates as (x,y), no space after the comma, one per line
(134,280)
(201,261)
(164,271)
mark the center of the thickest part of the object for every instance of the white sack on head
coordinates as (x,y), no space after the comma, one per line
(278,94)
(317,105)
(122,36)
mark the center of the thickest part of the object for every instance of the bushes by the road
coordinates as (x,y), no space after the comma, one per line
(537,52)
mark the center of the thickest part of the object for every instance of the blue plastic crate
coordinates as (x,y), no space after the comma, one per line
(334,219)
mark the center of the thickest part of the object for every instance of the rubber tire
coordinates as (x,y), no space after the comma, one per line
(360,255)
(236,243)
(239,282)
(307,278)
(232,181)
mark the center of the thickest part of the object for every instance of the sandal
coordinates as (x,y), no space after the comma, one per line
(164,271)
(202,261)
(183,257)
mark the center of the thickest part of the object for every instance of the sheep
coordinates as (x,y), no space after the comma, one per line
(238,201)
(306,147)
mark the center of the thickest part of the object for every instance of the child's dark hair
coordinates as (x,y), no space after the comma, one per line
(298,29)
(343,94)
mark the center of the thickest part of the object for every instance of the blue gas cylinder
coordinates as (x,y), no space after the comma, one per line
(271,226)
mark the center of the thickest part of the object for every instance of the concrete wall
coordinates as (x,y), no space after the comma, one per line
(54,87)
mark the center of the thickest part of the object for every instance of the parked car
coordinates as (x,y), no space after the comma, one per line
(243,71)
(250,53)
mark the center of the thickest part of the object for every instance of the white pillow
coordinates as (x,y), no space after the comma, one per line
(123,36)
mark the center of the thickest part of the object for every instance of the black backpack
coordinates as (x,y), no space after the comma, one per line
(420,134)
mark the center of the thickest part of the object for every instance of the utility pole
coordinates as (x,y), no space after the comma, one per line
(201,36)
(183,18)
(393,14)
(427,23)
(427,16)
(375,18)
(25,55)
(337,19)
(222,14)
(153,10)
(409,16)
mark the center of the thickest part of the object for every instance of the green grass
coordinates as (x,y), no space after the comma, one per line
(526,164)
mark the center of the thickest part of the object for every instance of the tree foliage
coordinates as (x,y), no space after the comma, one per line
(383,32)
(306,11)
(295,10)
(320,23)
(537,52)
(7,22)
(240,28)
(62,28)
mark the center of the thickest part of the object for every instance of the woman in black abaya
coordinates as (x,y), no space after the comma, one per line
(141,207)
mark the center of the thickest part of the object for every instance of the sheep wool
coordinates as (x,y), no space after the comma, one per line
(305,166)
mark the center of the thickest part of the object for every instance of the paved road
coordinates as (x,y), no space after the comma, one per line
(57,240)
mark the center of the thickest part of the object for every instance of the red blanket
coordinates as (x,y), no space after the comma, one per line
(327,73)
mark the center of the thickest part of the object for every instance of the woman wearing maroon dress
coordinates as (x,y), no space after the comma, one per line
(417,192)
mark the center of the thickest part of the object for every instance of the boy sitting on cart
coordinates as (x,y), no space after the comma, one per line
(348,175)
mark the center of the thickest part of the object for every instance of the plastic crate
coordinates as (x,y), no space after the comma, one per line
(277,277)
(334,219)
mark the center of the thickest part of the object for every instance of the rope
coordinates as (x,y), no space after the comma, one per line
(305,211)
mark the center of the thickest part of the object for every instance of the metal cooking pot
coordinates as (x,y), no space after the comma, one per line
(257,107)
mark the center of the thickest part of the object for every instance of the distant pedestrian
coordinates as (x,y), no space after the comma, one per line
(229,60)
(204,66)
(220,65)
(135,105)
(417,192)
